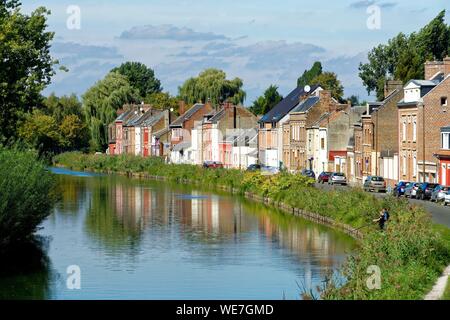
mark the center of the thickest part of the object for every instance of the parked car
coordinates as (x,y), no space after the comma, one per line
(425,189)
(308,173)
(446,199)
(399,189)
(324,177)
(337,178)
(254,167)
(438,194)
(212,164)
(375,183)
(411,190)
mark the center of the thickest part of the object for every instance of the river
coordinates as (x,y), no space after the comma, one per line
(140,239)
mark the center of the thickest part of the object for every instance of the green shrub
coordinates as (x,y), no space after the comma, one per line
(26,196)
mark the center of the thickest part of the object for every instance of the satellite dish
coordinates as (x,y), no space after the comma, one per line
(307,89)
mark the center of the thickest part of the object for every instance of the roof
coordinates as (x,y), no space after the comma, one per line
(423,83)
(217,116)
(286,105)
(187,115)
(160,133)
(306,104)
(150,121)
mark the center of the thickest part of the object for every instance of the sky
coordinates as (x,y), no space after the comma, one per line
(263,42)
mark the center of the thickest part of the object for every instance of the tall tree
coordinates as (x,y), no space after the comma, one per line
(310,74)
(101,103)
(60,107)
(329,81)
(140,77)
(267,101)
(26,66)
(212,85)
(403,56)
(162,100)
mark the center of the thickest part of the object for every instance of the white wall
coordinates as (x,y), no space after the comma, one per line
(137,141)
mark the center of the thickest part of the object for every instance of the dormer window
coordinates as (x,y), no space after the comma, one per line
(443,101)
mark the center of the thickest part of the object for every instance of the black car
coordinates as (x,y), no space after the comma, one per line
(399,189)
(254,167)
(308,173)
(425,189)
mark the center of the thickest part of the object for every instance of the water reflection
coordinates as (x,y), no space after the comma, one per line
(25,272)
(150,240)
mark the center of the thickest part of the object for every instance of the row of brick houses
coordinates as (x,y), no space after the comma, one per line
(405,137)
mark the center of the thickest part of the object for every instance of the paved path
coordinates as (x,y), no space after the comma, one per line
(439,213)
(439,288)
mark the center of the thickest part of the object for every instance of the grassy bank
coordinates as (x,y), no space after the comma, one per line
(26,196)
(411,253)
(447,291)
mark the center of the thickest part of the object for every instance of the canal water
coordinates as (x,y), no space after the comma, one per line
(139,239)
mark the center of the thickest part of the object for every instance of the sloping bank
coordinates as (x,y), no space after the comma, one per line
(411,254)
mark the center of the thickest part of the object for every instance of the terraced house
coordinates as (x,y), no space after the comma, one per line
(313,111)
(270,144)
(423,116)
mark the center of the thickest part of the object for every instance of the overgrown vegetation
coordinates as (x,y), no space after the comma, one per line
(26,196)
(410,254)
(447,291)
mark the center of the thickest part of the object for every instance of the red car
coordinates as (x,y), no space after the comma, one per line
(212,164)
(324,177)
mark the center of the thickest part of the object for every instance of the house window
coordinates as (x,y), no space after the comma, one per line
(415,165)
(404,129)
(322,143)
(404,165)
(414,129)
(443,101)
(446,141)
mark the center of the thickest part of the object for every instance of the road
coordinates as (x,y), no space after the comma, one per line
(439,213)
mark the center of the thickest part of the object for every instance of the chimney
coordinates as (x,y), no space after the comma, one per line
(208,105)
(446,66)
(181,107)
(326,100)
(434,67)
(392,85)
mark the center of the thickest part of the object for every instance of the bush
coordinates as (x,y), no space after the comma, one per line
(26,197)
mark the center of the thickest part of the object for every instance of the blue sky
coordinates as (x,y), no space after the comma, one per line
(262,41)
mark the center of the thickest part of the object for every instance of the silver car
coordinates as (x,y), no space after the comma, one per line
(446,199)
(411,189)
(337,178)
(438,194)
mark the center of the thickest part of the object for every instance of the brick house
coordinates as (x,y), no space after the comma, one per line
(181,130)
(444,157)
(229,120)
(304,116)
(422,114)
(270,144)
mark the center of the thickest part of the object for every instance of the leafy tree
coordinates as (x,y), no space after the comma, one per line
(26,66)
(310,74)
(403,56)
(329,81)
(100,104)
(267,101)
(60,107)
(162,100)
(41,132)
(74,133)
(140,77)
(212,85)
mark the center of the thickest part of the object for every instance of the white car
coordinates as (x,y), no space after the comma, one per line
(447,199)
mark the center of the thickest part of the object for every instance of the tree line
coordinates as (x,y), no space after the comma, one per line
(56,124)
